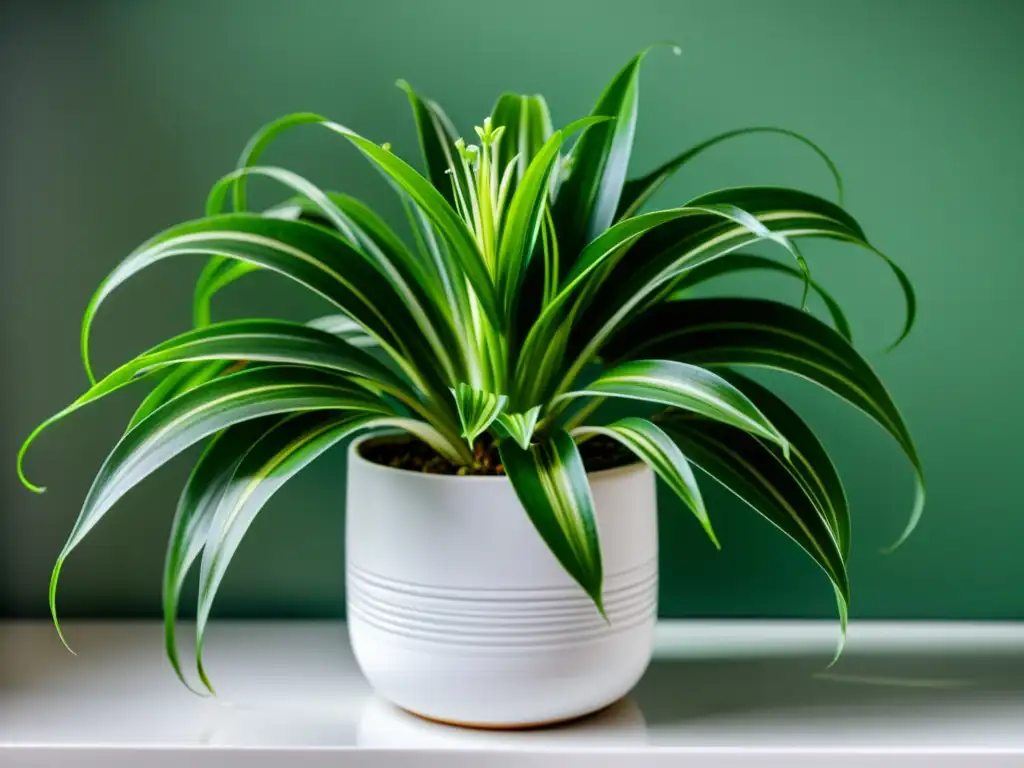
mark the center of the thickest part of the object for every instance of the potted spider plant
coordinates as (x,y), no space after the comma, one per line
(501,536)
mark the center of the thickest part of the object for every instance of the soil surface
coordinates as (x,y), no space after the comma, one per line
(599,452)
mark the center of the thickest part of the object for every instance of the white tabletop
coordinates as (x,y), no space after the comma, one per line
(718,693)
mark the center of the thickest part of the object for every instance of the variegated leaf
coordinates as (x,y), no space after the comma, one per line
(551,483)
(656,449)
(199,413)
(683,386)
(520,426)
(477,409)
(768,334)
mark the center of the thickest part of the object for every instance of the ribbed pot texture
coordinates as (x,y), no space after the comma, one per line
(458,612)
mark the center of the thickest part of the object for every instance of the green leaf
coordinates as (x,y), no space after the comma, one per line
(520,426)
(441,215)
(742,262)
(266,341)
(809,461)
(199,413)
(437,141)
(370,237)
(551,483)
(287,446)
(718,332)
(177,380)
(784,200)
(635,262)
(637,191)
(652,446)
(197,505)
(345,328)
(761,476)
(308,254)
(683,386)
(525,214)
(527,124)
(477,409)
(589,196)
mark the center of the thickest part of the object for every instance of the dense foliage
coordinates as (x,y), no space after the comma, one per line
(528,263)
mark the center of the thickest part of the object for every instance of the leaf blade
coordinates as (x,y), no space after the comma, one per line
(477,409)
(551,483)
(681,385)
(755,332)
(655,448)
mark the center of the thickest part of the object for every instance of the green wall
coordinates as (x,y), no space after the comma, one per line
(117,116)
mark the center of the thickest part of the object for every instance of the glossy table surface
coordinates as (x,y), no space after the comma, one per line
(718,693)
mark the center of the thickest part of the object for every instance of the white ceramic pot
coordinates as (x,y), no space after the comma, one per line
(458,612)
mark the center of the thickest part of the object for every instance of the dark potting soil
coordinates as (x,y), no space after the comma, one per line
(599,452)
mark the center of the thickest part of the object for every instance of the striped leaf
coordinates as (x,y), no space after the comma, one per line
(656,449)
(833,220)
(180,379)
(437,143)
(199,413)
(345,328)
(366,234)
(742,262)
(809,461)
(551,483)
(526,210)
(197,504)
(477,409)
(527,124)
(267,341)
(309,255)
(285,446)
(589,196)
(721,332)
(636,192)
(520,426)
(683,386)
(661,246)
(760,475)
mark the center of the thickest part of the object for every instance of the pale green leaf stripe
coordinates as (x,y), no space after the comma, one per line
(399,267)
(345,328)
(179,380)
(656,449)
(197,414)
(525,213)
(286,447)
(684,386)
(200,498)
(764,480)
(269,341)
(252,240)
(772,335)
(606,251)
(520,426)
(551,483)
(477,409)
(809,461)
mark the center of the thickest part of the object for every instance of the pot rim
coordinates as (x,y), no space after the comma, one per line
(355,456)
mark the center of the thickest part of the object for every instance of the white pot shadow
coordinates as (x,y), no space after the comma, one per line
(384,726)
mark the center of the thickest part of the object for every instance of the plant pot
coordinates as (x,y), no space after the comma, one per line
(458,612)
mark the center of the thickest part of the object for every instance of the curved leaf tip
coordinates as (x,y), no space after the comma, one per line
(54,576)
(915,515)
(22,451)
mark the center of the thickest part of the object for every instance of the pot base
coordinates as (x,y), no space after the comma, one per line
(511,726)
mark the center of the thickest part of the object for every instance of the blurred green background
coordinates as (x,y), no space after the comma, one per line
(118,116)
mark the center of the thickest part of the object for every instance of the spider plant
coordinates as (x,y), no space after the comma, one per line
(530,290)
